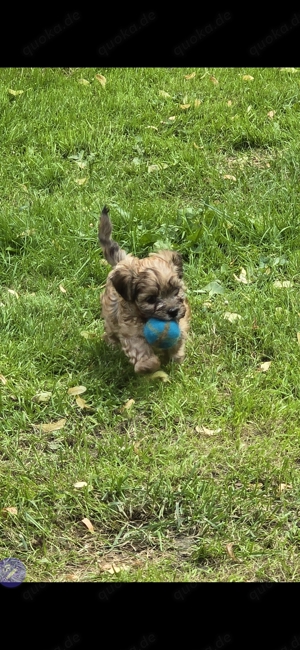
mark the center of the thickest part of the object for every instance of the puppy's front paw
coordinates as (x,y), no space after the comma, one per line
(178,357)
(147,365)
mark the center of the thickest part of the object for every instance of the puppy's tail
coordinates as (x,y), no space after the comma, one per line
(112,251)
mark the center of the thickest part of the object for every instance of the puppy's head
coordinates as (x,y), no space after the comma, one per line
(154,285)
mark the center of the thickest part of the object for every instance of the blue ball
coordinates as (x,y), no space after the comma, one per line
(163,334)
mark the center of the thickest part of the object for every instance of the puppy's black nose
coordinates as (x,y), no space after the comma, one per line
(173,311)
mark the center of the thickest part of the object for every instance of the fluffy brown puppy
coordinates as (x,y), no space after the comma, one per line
(139,289)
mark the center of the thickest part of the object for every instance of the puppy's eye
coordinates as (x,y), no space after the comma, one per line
(176,292)
(151,300)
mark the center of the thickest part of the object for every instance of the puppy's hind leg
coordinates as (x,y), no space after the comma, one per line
(140,354)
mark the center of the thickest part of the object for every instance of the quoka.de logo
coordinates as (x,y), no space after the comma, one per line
(12,572)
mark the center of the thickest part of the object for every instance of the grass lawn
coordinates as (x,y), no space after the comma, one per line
(198,478)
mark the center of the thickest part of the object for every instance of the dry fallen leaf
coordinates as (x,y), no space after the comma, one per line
(284,486)
(231,316)
(76,390)
(89,335)
(101,79)
(230,551)
(264,366)
(197,146)
(288,70)
(190,76)
(12,510)
(184,106)
(229,177)
(3,379)
(80,181)
(242,277)
(42,396)
(206,431)
(13,293)
(80,484)
(82,403)
(113,568)
(152,127)
(160,374)
(271,114)
(128,405)
(84,82)
(15,92)
(163,93)
(213,79)
(247,77)
(88,524)
(229,103)
(282,285)
(298,339)
(53,426)
(154,168)
(172,118)
(63,290)
(197,103)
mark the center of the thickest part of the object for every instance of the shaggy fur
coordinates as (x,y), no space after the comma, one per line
(139,289)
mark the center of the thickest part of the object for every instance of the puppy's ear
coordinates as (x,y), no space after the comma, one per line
(174,259)
(124,282)
(177,261)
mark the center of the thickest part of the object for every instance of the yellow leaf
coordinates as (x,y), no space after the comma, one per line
(152,127)
(184,106)
(80,181)
(12,510)
(82,403)
(89,335)
(190,76)
(172,118)
(88,524)
(53,426)
(42,396)
(13,293)
(229,103)
(84,82)
(160,374)
(242,277)
(230,551)
(15,92)
(154,168)
(128,405)
(76,390)
(298,339)
(271,114)
(282,285)
(213,79)
(231,316)
(197,103)
(197,146)
(265,366)
(80,484)
(28,232)
(229,177)
(207,432)
(247,77)
(163,93)
(3,379)
(284,486)
(288,70)
(63,290)
(101,79)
